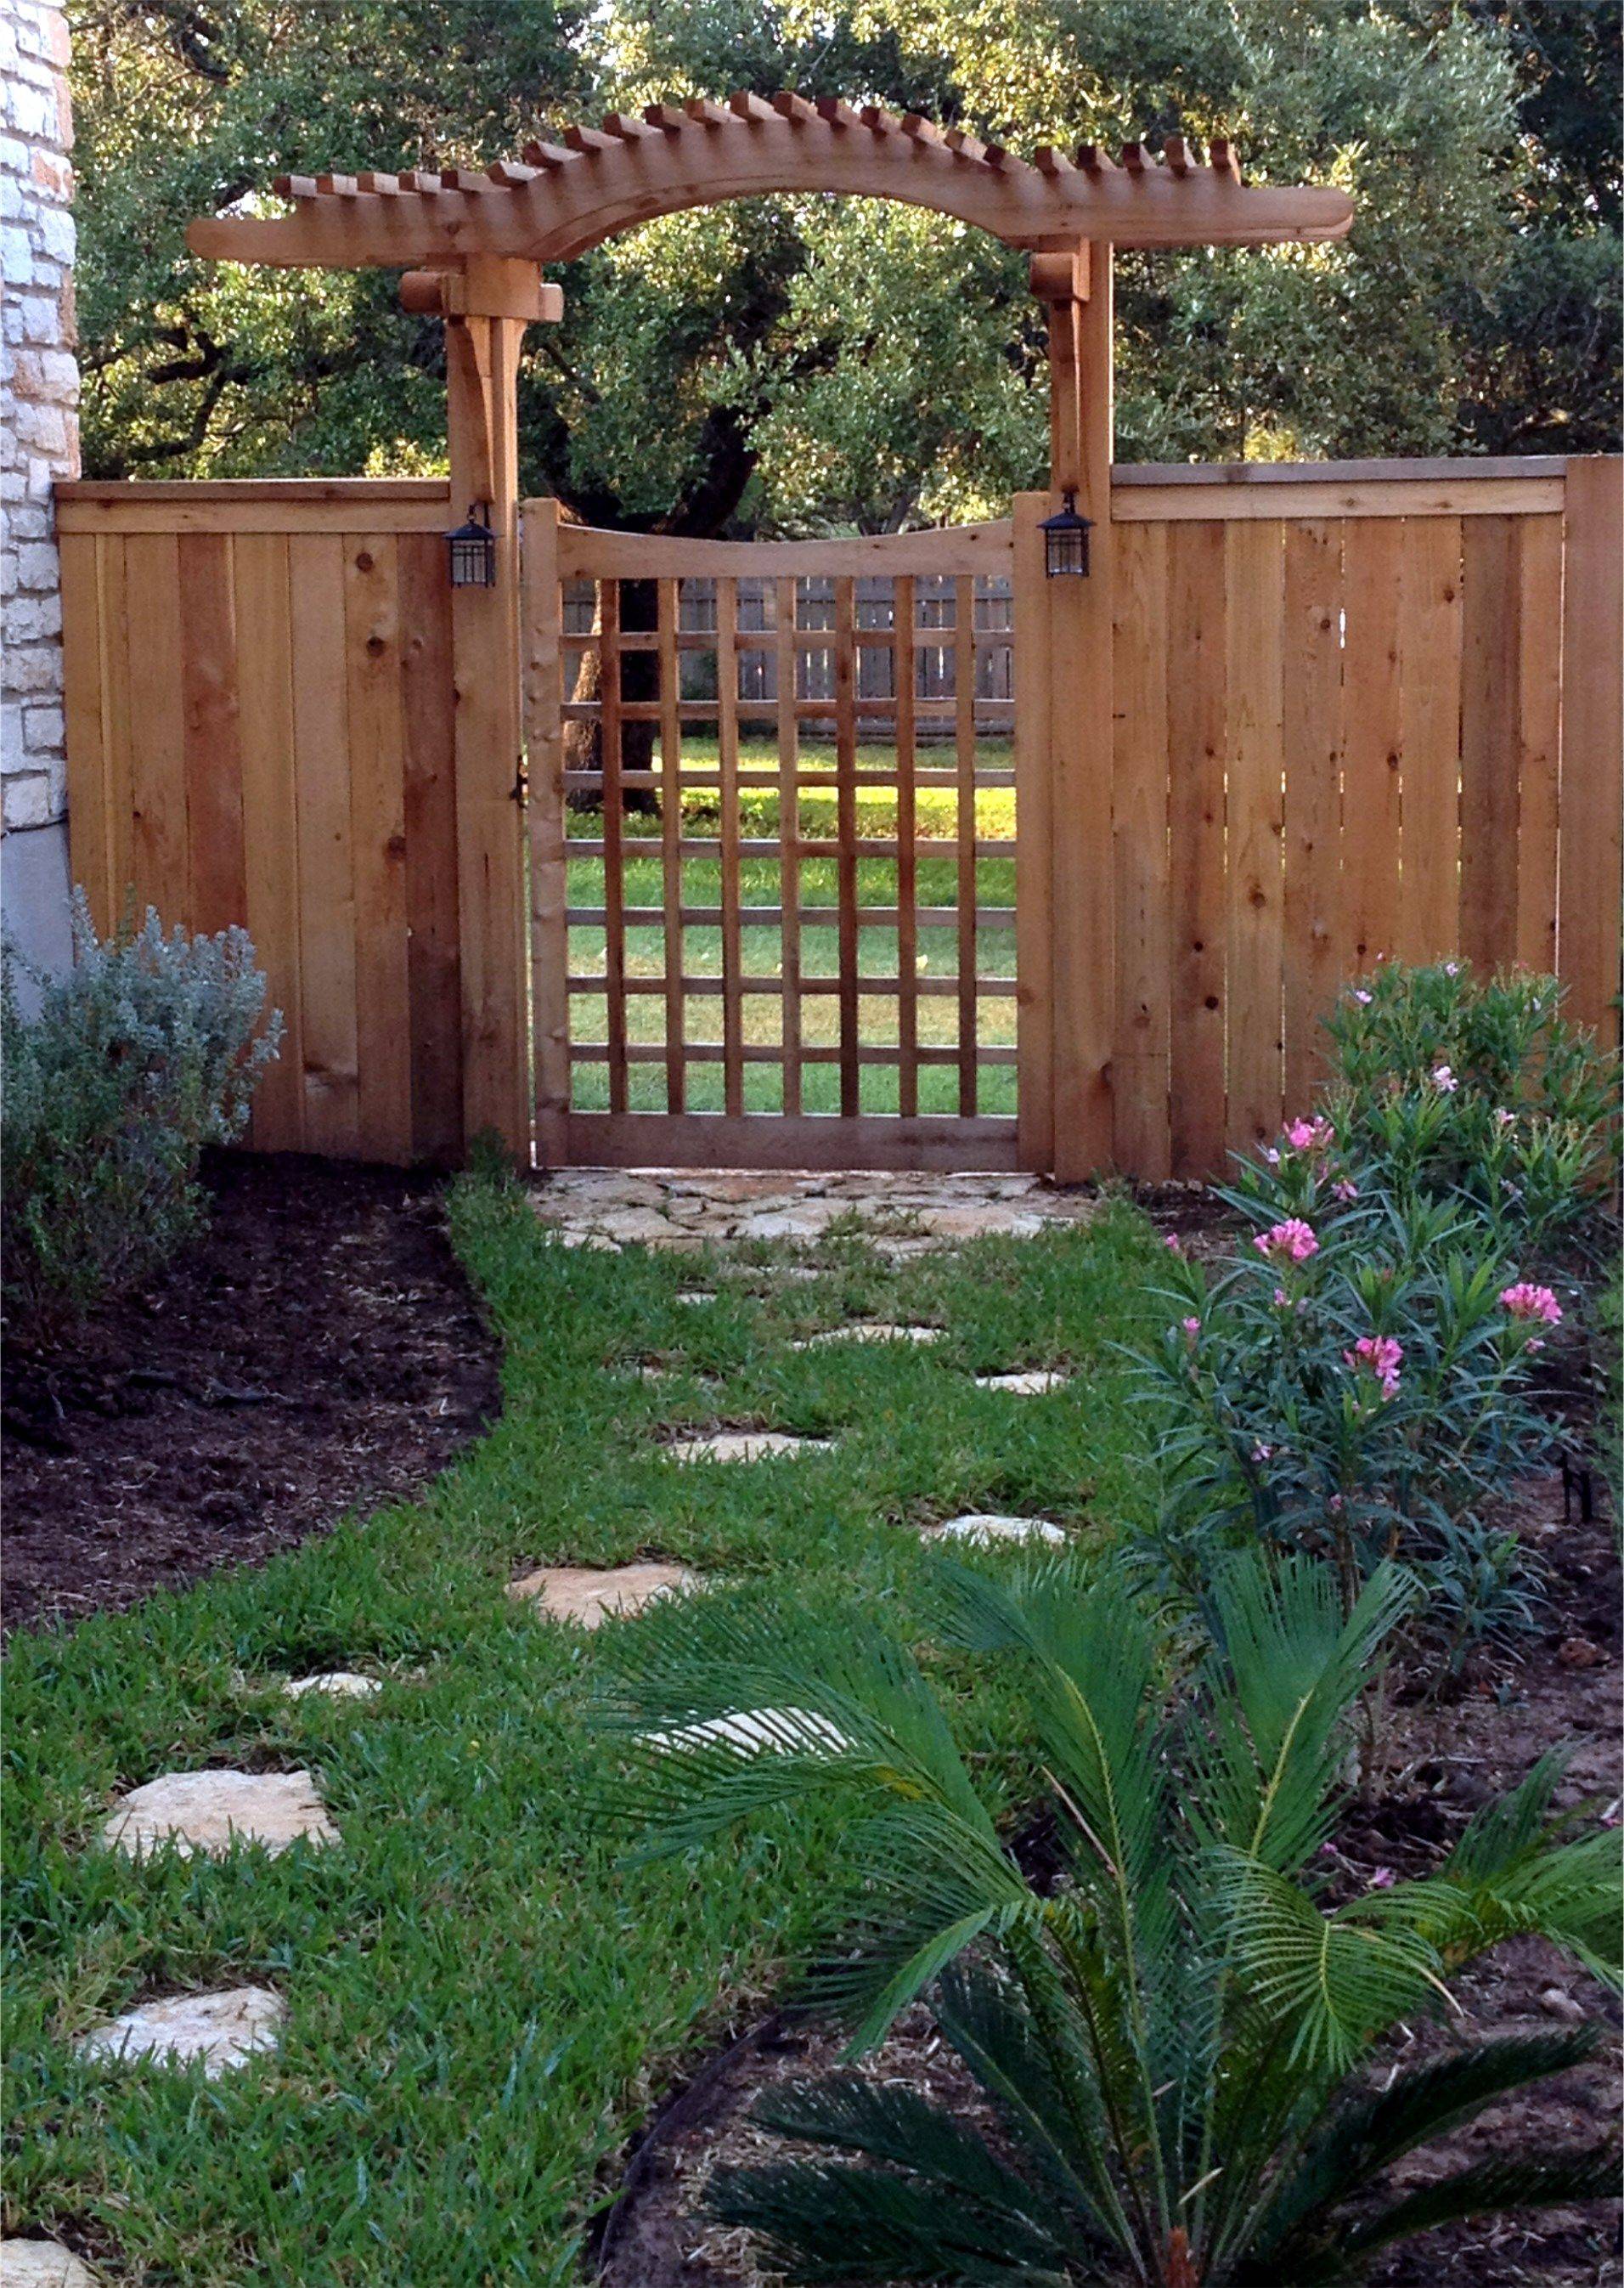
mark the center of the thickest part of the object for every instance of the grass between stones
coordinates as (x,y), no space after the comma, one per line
(481,1999)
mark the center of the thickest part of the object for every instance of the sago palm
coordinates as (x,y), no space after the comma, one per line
(1172,2041)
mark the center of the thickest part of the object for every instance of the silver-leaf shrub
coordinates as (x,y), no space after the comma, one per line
(141,1053)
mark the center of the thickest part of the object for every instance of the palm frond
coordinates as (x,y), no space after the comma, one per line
(889,2123)
(1287,1668)
(1369,2132)
(836,2220)
(1333,1981)
(1489,2188)
(1043,2090)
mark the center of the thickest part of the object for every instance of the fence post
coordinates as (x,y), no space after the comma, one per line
(482,346)
(1076,291)
(543,723)
(1591,879)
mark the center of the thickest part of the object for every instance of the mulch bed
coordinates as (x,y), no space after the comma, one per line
(316,1348)
(1449,1754)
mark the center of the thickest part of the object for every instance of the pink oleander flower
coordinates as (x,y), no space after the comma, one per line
(1291,1242)
(1383,1880)
(1533,1343)
(1173,1244)
(1362,997)
(1452,969)
(1336,1505)
(1316,1135)
(1524,1300)
(1504,1119)
(1260,1452)
(1345,1190)
(1281,1298)
(1380,1355)
(1271,1157)
(1191,1326)
(1443,1080)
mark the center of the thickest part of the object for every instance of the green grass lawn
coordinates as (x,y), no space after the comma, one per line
(483,2001)
(762,949)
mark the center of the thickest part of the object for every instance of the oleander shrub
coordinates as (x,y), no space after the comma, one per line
(1173,2047)
(1448,1085)
(144,1051)
(1352,1380)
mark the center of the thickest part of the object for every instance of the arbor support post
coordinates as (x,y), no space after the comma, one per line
(1076,634)
(486,306)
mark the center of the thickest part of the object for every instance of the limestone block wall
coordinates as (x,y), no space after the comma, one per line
(39,441)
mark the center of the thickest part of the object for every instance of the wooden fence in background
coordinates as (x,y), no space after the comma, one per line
(259,730)
(1360,710)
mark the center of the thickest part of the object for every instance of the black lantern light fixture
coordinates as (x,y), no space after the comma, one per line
(1066,542)
(473,550)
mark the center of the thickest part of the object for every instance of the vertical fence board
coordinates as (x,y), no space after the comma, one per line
(789,841)
(727,754)
(1196,731)
(666,602)
(157,732)
(432,891)
(1255,566)
(543,733)
(1034,840)
(1489,735)
(377,825)
(326,879)
(964,812)
(218,892)
(270,820)
(845,864)
(908,856)
(1313,721)
(83,680)
(1144,927)
(1373,559)
(1539,727)
(1429,737)
(1591,861)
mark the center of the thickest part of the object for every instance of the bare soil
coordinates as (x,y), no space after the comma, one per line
(1451,1750)
(315,1348)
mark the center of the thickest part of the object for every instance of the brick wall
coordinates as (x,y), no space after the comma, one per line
(39,440)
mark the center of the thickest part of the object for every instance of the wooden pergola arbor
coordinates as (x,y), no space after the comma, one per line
(473,247)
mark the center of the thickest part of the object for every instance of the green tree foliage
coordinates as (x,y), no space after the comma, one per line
(789,365)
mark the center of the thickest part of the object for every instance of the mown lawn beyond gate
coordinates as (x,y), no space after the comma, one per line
(482,2000)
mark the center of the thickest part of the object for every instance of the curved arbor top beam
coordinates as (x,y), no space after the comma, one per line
(566,197)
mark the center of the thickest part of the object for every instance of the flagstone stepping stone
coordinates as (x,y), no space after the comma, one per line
(753,1728)
(696,1295)
(222,2030)
(744,1446)
(870,1330)
(209,1811)
(599,1240)
(1023,1385)
(336,1683)
(590,1594)
(977,1525)
(42,2264)
(986,1220)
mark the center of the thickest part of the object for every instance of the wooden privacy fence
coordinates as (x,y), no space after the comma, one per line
(1359,710)
(259,730)
(1360,713)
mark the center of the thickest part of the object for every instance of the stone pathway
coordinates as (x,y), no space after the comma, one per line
(221,2030)
(688,1209)
(334,1683)
(980,1525)
(589,1595)
(42,2264)
(211,1811)
(744,1446)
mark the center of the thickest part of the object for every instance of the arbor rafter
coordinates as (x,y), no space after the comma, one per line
(560,198)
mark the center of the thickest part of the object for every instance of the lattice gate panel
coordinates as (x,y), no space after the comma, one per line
(785,798)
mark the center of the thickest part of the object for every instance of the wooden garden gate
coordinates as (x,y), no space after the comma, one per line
(772,792)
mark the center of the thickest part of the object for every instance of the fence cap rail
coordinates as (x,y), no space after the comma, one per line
(1329,473)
